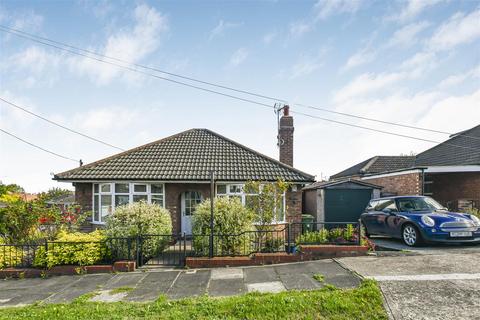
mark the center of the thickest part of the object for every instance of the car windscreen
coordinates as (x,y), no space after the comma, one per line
(418,204)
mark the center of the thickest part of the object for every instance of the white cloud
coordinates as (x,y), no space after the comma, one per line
(326,8)
(221,27)
(413,8)
(456,79)
(105,119)
(367,83)
(361,57)
(307,64)
(419,63)
(131,44)
(459,29)
(299,28)
(269,37)
(407,35)
(238,57)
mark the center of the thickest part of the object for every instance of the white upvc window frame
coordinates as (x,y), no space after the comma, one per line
(243,195)
(131,193)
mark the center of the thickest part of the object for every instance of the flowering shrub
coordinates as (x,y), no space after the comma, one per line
(73,249)
(141,218)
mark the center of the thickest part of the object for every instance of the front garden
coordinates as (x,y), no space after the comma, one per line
(34,234)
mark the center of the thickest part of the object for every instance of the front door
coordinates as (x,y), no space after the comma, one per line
(189,200)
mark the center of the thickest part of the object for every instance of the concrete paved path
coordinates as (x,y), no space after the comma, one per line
(440,285)
(175,284)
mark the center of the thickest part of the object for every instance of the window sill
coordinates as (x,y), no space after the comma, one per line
(99,223)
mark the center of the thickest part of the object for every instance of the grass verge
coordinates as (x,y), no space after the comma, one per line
(364,302)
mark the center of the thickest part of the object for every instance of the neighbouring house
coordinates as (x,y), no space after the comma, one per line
(62,202)
(338,201)
(448,172)
(174,172)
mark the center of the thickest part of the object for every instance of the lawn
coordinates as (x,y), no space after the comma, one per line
(364,302)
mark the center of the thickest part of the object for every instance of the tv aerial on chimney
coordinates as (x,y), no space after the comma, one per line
(278,107)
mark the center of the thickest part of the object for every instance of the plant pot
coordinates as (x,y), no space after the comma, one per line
(290,249)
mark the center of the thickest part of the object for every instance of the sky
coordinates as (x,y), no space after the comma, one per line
(411,62)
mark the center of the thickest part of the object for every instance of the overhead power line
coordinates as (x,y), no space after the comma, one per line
(88,54)
(380,131)
(140,71)
(58,124)
(56,44)
(38,147)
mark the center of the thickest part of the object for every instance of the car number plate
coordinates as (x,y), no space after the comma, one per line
(460,234)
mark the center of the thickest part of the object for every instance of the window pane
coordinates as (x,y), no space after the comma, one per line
(158,200)
(105,187)
(235,188)
(221,189)
(121,187)
(280,211)
(95,188)
(140,188)
(96,216)
(138,198)
(120,200)
(106,206)
(157,188)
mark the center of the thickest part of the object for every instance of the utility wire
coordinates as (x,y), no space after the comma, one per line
(35,38)
(88,56)
(381,131)
(142,72)
(38,147)
(58,125)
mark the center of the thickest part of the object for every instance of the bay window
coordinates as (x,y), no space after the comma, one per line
(107,196)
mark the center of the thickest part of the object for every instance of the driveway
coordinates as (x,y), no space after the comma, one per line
(442,284)
(175,284)
(389,244)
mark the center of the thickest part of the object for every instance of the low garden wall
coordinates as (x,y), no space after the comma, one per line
(305,253)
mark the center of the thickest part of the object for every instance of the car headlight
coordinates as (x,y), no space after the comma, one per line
(475,219)
(428,221)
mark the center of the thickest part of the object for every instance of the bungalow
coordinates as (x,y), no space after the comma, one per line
(174,172)
(449,172)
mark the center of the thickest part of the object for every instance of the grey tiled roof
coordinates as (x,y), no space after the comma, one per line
(461,149)
(376,165)
(188,156)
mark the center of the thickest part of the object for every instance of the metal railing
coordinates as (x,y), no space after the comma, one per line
(172,249)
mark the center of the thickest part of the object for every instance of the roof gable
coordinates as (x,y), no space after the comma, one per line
(188,156)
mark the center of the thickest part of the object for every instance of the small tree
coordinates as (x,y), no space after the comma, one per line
(141,218)
(265,199)
(230,220)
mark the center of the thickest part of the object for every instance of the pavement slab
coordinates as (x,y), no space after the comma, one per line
(189,284)
(124,280)
(265,287)
(260,274)
(226,287)
(227,273)
(152,286)
(82,285)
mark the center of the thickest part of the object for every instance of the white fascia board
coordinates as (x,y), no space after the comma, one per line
(446,169)
(391,174)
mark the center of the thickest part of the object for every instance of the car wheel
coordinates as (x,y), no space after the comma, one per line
(410,235)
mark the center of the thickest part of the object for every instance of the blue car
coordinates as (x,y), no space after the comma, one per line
(417,219)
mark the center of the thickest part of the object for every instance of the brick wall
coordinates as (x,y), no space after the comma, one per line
(448,188)
(402,184)
(83,197)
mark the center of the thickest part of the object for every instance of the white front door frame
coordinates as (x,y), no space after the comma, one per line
(186,220)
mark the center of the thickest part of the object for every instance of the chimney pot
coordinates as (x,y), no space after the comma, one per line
(286,110)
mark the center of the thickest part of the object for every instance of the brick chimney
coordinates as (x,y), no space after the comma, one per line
(285,137)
